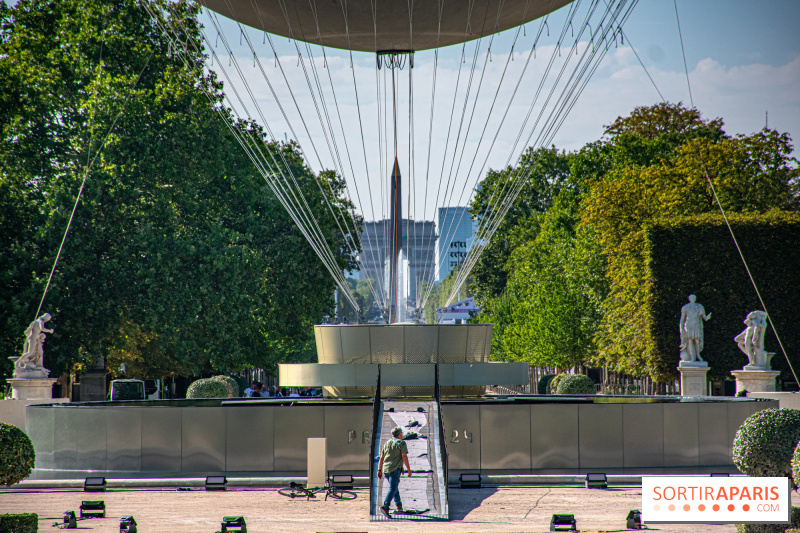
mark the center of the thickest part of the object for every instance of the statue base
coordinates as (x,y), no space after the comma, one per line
(32,388)
(755,380)
(693,378)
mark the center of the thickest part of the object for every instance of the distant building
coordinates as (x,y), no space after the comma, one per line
(418,247)
(456,236)
(457,312)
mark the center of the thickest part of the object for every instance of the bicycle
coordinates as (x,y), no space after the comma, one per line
(296,490)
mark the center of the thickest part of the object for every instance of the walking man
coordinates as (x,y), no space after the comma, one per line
(394,454)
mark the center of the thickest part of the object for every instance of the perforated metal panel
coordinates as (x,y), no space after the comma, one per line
(355,346)
(453,344)
(387,344)
(421,344)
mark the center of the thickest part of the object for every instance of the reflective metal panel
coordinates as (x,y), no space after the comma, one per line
(331,345)
(737,413)
(462,428)
(202,439)
(554,436)
(714,448)
(476,342)
(421,344)
(408,375)
(249,433)
(643,435)
(387,344)
(681,434)
(124,438)
(355,345)
(90,442)
(347,430)
(600,435)
(293,426)
(64,438)
(39,427)
(453,344)
(161,439)
(505,437)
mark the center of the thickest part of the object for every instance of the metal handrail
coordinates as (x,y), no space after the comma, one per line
(442,437)
(374,438)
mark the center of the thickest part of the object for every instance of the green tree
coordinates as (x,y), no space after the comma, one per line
(178,252)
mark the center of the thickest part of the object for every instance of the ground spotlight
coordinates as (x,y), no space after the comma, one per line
(127,524)
(720,474)
(70,522)
(216,483)
(342,481)
(470,481)
(93,509)
(596,481)
(563,522)
(634,520)
(94,484)
(236,522)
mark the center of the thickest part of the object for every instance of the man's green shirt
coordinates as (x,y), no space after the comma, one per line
(392,452)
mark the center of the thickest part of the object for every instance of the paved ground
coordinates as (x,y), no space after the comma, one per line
(488,509)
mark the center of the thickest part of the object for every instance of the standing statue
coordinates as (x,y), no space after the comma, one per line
(32,359)
(751,341)
(691,329)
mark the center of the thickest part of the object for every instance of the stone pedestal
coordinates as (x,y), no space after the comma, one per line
(93,386)
(32,388)
(693,378)
(755,380)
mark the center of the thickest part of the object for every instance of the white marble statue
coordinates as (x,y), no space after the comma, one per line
(691,329)
(31,363)
(751,341)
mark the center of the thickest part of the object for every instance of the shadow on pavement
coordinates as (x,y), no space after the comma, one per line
(462,501)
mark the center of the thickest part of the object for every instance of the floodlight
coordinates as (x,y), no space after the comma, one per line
(94,484)
(236,522)
(720,474)
(342,481)
(596,480)
(563,522)
(470,481)
(634,520)
(93,509)
(216,483)
(70,522)
(127,524)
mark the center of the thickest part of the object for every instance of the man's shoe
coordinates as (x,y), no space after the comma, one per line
(385,511)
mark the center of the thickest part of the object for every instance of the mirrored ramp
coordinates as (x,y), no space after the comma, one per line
(424,494)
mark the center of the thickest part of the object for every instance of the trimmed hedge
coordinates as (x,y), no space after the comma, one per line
(17,456)
(773,528)
(19,523)
(242,382)
(796,466)
(543,386)
(208,388)
(576,384)
(553,386)
(765,443)
(696,255)
(231,384)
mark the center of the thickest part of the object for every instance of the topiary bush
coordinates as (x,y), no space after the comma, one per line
(576,384)
(16,455)
(765,443)
(230,383)
(553,386)
(208,388)
(19,523)
(772,528)
(242,382)
(543,386)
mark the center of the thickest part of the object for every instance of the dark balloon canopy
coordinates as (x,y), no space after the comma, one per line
(383,25)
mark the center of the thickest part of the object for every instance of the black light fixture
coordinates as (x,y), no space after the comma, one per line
(342,481)
(236,522)
(94,484)
(634,520)
(70,522)
(469,481)
(216,483)
(563,522)
(127,524)
(720,474)
(596,480)
(93,509)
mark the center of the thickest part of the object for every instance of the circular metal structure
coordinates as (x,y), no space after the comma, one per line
(383,25)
